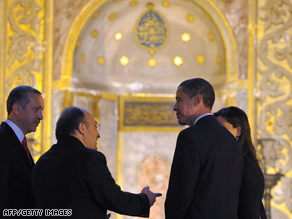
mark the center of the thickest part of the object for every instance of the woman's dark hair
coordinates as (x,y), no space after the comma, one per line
(237,117)
(69,121)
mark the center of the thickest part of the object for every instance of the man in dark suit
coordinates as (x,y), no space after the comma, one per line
(207,166)
(24,108)
(73,175)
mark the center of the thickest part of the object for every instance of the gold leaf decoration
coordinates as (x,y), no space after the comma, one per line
(190,18)
(112,16)
(152,62)
(78,43)
(211,36)
(95,14)
(133,3)
(185,37)
(83,58)
(124,60)
(178,61)
(118,36)
(94,33)
(200,59)
(166,4)
(100,60)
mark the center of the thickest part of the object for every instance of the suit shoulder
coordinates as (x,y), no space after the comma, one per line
(3,132)
(187,130)
(96,154)
(186,134)
(6,137)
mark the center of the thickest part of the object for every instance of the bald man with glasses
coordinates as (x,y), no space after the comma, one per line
(74,176)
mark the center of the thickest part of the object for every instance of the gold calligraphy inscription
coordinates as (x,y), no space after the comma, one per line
(149,114)
(151,30)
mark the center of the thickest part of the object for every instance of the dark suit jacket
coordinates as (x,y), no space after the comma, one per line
(15,172)
(252,190)
(206,173)
(71,176)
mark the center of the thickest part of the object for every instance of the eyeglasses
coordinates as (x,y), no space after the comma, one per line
(97,125)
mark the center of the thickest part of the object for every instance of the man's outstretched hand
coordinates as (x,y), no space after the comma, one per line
(151,196)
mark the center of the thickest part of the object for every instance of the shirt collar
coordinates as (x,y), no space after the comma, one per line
(16,129)
(207,114)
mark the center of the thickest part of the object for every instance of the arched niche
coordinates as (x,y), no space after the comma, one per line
(92,55)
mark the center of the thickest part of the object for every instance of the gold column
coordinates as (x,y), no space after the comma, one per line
(26,58)
(273,97)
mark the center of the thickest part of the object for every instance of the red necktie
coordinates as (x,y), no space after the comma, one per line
(24,143)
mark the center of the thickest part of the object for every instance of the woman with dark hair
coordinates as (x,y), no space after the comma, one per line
(253,182)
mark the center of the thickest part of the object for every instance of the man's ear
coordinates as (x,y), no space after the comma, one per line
(238,131)
(197,99)
(16,109)
(82,128)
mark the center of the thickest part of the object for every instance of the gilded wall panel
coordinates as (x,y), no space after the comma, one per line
(274,106)
(23,61)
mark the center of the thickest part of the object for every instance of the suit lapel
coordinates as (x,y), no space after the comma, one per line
(17,145)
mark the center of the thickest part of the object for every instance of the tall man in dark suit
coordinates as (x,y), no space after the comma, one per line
(24,108)
(207,166)
(72,175)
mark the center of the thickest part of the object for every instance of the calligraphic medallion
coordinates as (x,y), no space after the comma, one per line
(151,30)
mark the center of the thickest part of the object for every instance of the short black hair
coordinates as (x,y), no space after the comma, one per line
(20,95)
(69,121)
(195,86)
